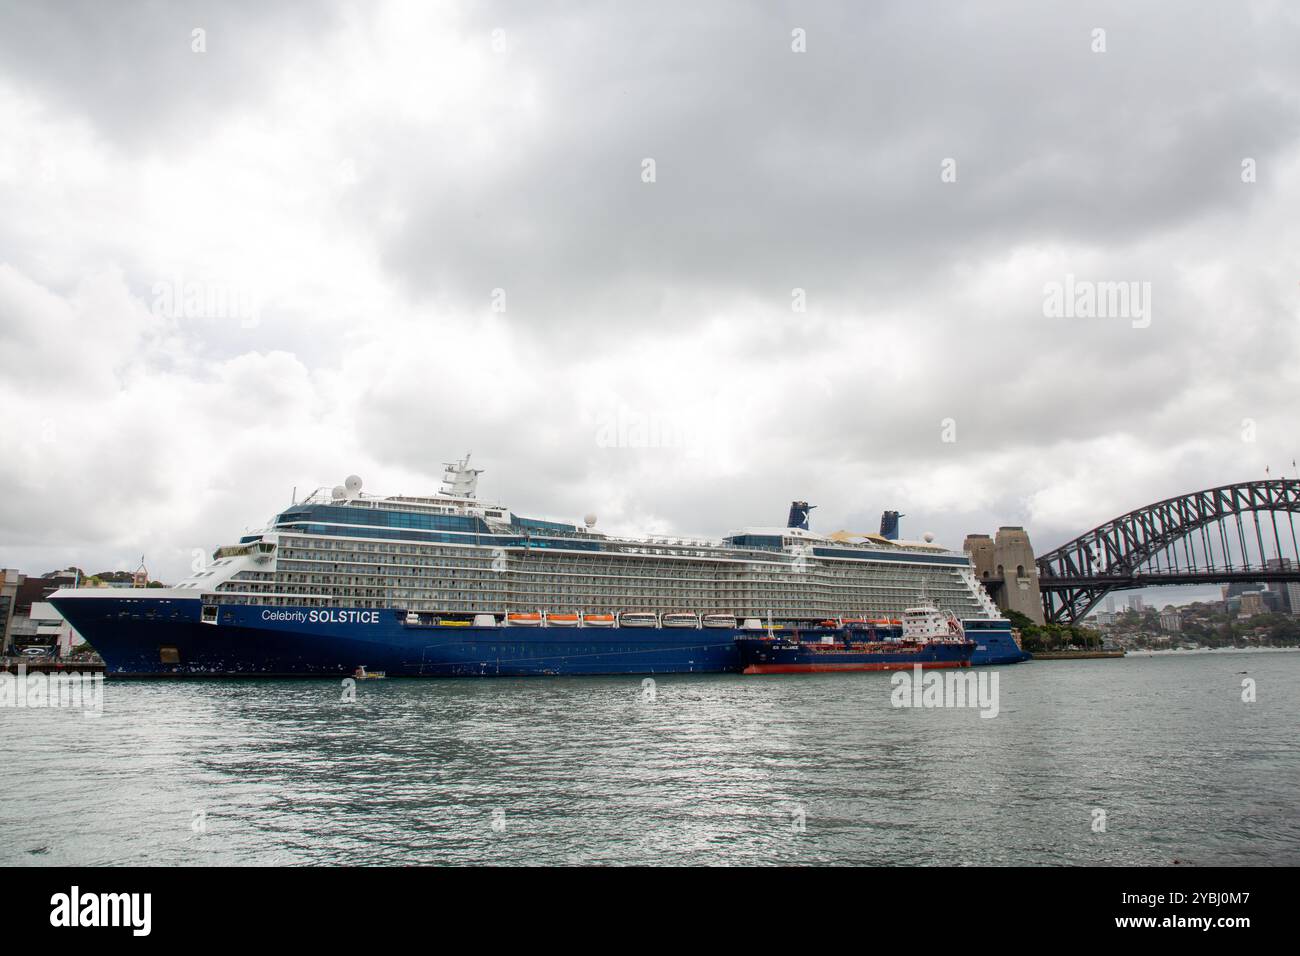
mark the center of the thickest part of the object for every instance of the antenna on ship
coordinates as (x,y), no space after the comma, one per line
(458,479)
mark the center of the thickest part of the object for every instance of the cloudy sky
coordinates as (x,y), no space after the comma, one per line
(673,264)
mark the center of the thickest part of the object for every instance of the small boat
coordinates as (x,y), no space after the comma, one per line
(599,620)
(412,619)
(720,620)
(638,619)
(563,619)
(681,619)
(362,674)
(819,652)
(524,619)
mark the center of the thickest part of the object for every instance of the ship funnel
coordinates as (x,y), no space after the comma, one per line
(799,514)
(889,525)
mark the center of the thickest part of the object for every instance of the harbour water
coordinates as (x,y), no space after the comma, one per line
(707,770)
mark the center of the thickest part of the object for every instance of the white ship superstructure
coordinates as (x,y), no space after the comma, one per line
(451,554)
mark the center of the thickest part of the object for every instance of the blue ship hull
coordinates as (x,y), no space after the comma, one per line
(994,643)
(167,637)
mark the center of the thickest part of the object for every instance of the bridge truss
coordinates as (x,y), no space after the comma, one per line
(1221,535)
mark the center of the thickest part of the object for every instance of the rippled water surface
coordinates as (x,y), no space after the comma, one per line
(713,770)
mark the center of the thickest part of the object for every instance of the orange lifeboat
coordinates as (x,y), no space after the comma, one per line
(524,619)
(599,620)
(563,619)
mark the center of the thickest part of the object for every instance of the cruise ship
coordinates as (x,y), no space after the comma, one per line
(445,585)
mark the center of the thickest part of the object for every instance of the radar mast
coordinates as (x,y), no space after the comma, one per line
(459,480)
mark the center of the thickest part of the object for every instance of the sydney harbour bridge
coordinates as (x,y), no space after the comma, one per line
(1236,533)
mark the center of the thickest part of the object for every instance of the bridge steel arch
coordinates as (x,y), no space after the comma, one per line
(1077,575)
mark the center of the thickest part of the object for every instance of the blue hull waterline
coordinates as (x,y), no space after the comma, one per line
(166,637)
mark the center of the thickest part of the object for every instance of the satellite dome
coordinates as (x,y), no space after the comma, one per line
(590,520)
(928,537)
(352,484)
(339,493)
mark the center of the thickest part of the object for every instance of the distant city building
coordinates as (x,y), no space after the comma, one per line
(1288,592)
(1105,618)
(52,630)
(1237,590)
(19,595)
(1135,603)
(1252,603)
(1171,620)
(10,580)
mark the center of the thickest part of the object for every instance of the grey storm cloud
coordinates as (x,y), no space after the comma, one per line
(380,169)
(130,70)
(822,170)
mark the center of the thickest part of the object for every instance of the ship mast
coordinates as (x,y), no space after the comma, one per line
(459,480)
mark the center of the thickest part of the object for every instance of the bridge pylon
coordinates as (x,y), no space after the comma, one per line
(1005,565)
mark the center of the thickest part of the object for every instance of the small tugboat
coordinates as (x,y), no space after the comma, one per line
(929,638)
(362,674)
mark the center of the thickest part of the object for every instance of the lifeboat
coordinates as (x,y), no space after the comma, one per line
(412,619)
(599,620)
(524,619)
(563,619)
(638,619)
(720,620)
(681,619)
